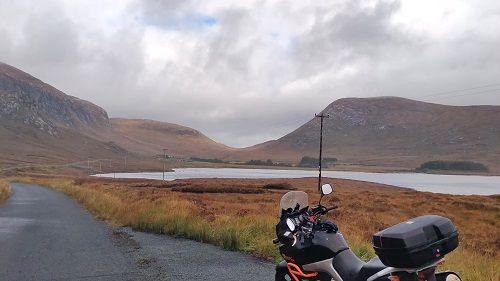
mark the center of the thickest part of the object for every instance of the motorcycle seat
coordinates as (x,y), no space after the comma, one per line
(370,268)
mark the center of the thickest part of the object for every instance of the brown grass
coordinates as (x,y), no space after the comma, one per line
(245,221)
(4,191)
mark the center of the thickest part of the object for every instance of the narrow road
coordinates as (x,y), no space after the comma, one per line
(45,235)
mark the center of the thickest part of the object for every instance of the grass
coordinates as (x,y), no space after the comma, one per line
(4,191)
(245,221)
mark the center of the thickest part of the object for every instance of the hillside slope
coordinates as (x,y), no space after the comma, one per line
(42,125)
(391,131)
(150,137)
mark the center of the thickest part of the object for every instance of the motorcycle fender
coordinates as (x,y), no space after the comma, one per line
(448,276)
(282,267)
(325,266)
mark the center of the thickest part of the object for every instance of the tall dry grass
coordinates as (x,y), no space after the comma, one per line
(245,221)
(4,191)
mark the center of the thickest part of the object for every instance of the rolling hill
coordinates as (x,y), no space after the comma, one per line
(392,132)
(40,124)
(148,137)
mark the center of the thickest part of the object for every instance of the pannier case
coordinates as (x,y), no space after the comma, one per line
(416,242)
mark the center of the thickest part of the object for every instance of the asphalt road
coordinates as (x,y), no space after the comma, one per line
(45,235)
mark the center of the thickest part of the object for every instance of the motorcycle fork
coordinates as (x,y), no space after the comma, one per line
(296,272)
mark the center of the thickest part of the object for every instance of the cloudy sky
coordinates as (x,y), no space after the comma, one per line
(244,72)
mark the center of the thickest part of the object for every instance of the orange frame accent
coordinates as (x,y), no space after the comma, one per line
(295,271)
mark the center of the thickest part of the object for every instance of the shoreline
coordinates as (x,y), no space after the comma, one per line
(435,183)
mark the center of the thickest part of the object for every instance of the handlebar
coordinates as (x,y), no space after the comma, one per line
(307,222)
(321,210)
(331,208)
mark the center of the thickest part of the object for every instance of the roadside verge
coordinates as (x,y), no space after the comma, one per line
(4,191)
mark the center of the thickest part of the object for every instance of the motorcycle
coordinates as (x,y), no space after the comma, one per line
(315,249)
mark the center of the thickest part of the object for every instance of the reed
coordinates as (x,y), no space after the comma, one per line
(4,191)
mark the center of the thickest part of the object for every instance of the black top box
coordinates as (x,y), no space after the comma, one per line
(416,242)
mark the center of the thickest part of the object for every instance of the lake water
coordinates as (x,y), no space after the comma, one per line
(450,184)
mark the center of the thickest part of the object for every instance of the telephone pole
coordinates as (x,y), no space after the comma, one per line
(126,161)
(321,116)
(164,160)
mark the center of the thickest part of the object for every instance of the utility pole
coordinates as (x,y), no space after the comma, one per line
(126,161)
(321,116)
(100,166)
(164,160)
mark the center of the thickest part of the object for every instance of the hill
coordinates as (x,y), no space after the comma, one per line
(41,125)
(392,132)
(150,137)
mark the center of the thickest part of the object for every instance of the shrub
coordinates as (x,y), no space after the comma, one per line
(221,189)
(4,192)
(311,162)
(468,166)
(209,160)
(268,162)
(279,186)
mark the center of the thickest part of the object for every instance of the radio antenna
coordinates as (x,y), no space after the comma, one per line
(321,116)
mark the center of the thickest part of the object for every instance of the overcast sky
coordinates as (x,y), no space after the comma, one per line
(250,71)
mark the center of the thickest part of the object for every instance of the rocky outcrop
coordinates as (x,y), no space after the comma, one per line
(26,99)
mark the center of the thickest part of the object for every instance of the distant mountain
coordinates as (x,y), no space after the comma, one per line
(30,101)
(40,124)
(150,137)
(392,132)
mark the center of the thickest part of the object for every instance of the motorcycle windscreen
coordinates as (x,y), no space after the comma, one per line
(292,201)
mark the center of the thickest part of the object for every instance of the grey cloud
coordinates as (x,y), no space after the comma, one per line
(352,34)
(242,80)
(5,46)
(231,49)
(171,14)
(41,32)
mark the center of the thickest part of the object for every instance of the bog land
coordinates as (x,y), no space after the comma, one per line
(240,214)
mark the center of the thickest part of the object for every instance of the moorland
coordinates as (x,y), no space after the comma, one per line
(240,214)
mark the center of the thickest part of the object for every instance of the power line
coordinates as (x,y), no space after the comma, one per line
(490,91)
(458,90)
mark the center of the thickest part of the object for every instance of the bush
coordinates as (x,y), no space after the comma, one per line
(279,186)
(221,189)
(209,160)
(268,162)
(259,163)
(311,162)
(467,166)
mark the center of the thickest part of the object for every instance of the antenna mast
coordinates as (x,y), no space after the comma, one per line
(321,116)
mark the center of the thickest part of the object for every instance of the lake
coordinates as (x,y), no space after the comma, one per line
(450,184)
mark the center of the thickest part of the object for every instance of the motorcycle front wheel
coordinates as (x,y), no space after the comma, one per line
(282,276)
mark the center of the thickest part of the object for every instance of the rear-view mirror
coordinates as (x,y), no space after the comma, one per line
(326,189)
